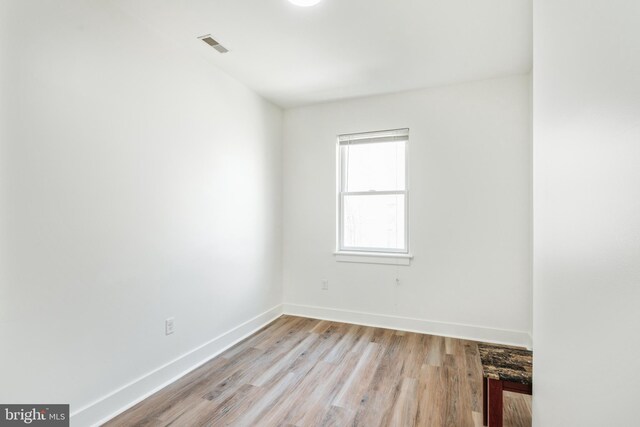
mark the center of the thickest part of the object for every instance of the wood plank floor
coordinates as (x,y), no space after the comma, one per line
(306,372)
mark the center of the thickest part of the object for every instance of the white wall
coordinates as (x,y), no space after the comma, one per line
(137,184)
(470,212)
(587,212)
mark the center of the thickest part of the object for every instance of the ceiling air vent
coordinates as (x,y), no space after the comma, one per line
(214,44)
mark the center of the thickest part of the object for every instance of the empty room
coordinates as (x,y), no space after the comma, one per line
(320,213)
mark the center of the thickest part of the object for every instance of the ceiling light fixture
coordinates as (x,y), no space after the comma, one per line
(305,3)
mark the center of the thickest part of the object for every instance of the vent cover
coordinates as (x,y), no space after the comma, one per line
(213,43)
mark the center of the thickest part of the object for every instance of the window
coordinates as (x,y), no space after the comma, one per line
(372,192)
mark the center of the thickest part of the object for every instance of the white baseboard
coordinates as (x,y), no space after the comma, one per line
(453,330)
(120,400)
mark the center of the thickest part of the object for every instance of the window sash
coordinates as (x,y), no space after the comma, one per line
(370,138)
(343,161)
(343,247)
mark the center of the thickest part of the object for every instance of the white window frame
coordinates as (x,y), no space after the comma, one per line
(368,254)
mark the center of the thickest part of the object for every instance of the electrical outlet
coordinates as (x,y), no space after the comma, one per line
(169,326)
(325,285)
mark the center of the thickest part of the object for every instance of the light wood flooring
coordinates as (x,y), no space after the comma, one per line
(306,372)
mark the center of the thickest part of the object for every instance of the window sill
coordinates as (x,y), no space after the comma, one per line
(374,257)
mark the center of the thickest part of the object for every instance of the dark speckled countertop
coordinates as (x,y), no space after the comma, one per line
(506,363)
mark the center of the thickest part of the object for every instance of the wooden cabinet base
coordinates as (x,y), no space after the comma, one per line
(492,399)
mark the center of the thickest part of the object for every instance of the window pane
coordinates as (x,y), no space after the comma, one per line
(374,221)
(376,166)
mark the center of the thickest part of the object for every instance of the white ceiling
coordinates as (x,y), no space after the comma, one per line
(348,48)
